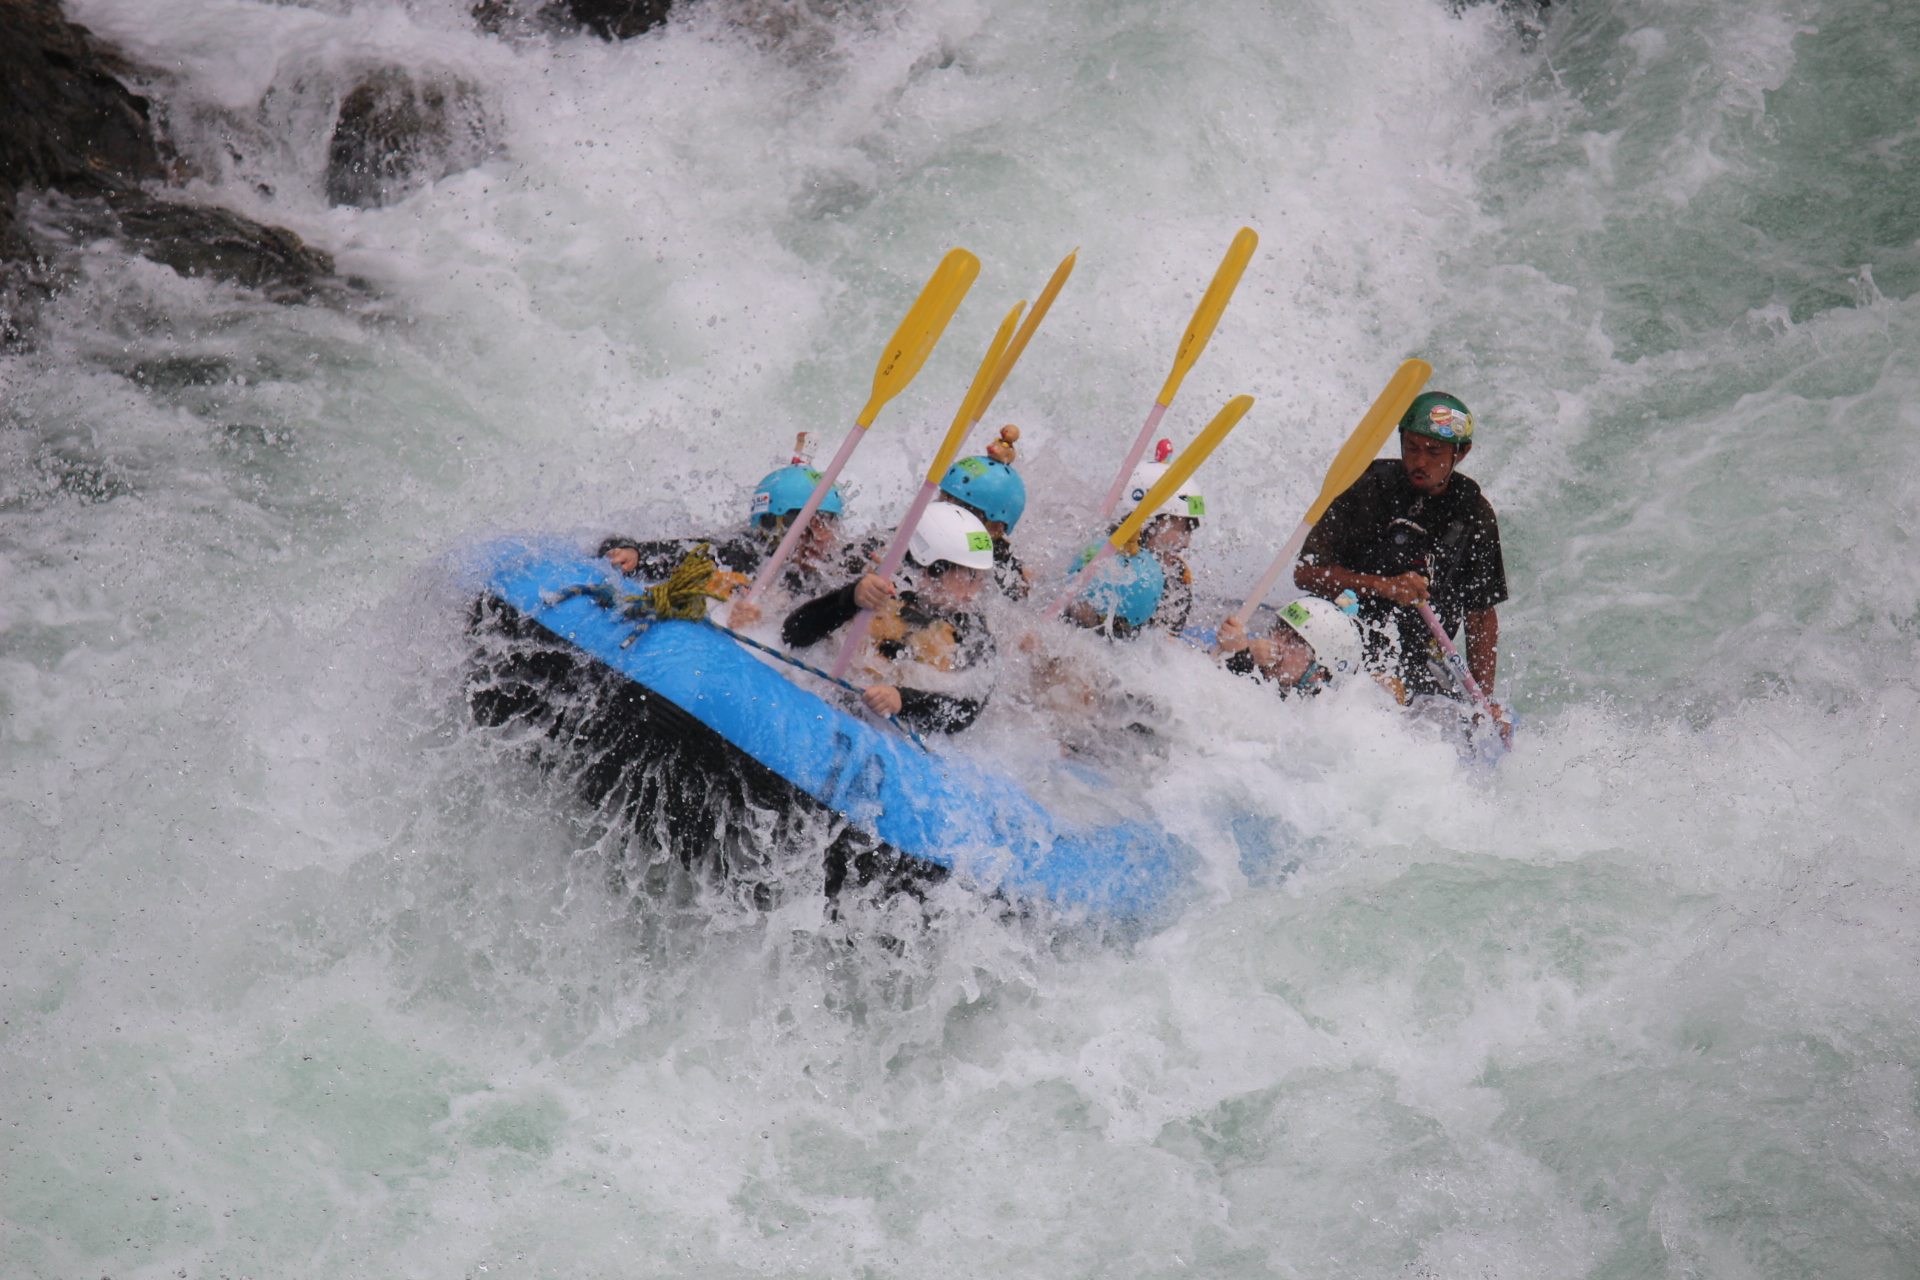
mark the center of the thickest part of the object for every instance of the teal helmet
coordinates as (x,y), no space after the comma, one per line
(993,489)
(1439,415)
(1126,587)
(787,490)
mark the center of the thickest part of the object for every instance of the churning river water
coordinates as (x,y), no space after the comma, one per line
(301,976)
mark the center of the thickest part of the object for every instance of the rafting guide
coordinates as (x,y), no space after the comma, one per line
(1416,532)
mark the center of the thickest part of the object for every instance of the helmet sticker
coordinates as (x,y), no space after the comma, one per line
(975,467)
(814,476)
(1449,423)
(1196,505)
(977,541)
(762,501)
(1139,494)
(1296,616)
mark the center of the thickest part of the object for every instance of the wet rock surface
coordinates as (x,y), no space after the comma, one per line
(394,135)
(608,19)
(70,125)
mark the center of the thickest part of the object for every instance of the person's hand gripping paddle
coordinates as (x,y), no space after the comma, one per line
(1348,465)
(1177,473)
(912,341)
(1192,343)
(897,549)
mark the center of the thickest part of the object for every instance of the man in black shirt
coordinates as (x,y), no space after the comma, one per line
(1412,530)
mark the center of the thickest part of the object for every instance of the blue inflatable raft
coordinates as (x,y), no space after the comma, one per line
(690,693)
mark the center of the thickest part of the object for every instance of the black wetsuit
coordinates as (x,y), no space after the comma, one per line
(925,710)
(1385,527)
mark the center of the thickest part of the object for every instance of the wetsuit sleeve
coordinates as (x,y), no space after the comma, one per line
(1483,570)
(938,712)
(1344,535)
(820,617)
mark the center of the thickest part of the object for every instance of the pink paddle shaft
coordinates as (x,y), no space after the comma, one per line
(1281,563)
(1073,586)
(896,552)
(1134,455)
(1455,662)
(798,528)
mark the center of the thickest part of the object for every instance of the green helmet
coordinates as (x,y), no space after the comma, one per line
(1439,415)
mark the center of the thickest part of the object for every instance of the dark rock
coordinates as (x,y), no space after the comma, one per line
(69,124)
(608,19)
(394,135)
(618,19)
(200,240)
(65,118)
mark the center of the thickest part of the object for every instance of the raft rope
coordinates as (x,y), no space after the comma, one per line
(683,597)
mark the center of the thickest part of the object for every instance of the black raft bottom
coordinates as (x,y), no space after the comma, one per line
(687,792)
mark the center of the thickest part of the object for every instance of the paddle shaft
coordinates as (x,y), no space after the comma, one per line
(1455,663)
(1133,460)
(1281,563)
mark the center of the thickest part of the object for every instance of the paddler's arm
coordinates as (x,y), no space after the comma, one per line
(1330,580)
(1483,647)
(823,615)
(819,618)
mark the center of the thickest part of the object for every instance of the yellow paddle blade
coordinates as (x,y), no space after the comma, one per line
(926,320)
(957,433)
(1207,314)
(1182,467)
(1365,442)
(1020,340)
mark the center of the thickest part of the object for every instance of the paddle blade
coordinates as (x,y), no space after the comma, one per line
(925,321)
(1020,340)
(1361,447)
(1207,314)
(1183,467)
(969,411)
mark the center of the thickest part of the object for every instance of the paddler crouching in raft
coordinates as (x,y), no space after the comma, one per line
(1307,647)
(929,634)
(1166,536)
(1411,531)
(1148,585)
(992,490)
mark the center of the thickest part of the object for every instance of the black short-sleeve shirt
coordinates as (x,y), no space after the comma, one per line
(1385,527)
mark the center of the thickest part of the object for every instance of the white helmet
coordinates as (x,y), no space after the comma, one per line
(1329,630)
(951,533)
(1186,501)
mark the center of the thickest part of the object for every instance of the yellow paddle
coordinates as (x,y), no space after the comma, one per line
(925,321)
(1176,475)
(1353,459)
(1020,340)
(1192,343)
(897,549)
